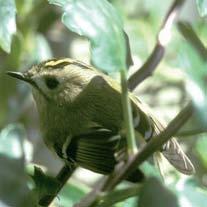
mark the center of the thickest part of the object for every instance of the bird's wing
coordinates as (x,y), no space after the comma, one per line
(99,151)
(95,150)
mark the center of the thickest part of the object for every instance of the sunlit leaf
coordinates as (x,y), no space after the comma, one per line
(129,202)
(202,7)
(8,23)
(11,141)
(42,50)
(201,146)
(190,194)
(100,23)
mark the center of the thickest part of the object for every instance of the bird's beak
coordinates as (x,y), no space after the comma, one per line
(20,76)
(25,77)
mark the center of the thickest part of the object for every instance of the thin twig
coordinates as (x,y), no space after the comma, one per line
(191,132)
(190,35)
(158,52)
(62,177)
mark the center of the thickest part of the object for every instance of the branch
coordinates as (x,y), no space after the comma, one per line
(158,52)
(61,177)
(189,34)
(191,132)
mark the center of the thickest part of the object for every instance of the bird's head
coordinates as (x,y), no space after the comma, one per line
(57,80)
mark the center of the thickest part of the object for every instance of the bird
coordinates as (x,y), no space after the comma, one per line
(81,116)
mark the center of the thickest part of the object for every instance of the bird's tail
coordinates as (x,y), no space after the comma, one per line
(173,152)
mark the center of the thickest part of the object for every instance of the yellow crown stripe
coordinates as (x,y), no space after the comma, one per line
(61,63)
(56,63)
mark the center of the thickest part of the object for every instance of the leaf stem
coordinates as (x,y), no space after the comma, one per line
(128,119)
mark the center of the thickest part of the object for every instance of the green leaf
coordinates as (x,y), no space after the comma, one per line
(14,189)
(13,60)
(130,202)
(150,170)
(202,7)
(44,185)
(8,23)
(11,141)
(100,23)
(71,193)
(153,193)
(189,193)
(201,146)
(196,72)
(42,49)
(24,7)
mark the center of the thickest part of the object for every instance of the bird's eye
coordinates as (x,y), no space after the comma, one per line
(51,83)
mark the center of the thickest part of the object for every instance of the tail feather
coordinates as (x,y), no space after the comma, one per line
(173,152)
(175,155)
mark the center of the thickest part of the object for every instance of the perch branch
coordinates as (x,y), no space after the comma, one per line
(192,132)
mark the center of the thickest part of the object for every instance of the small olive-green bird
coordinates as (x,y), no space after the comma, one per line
(81,117)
